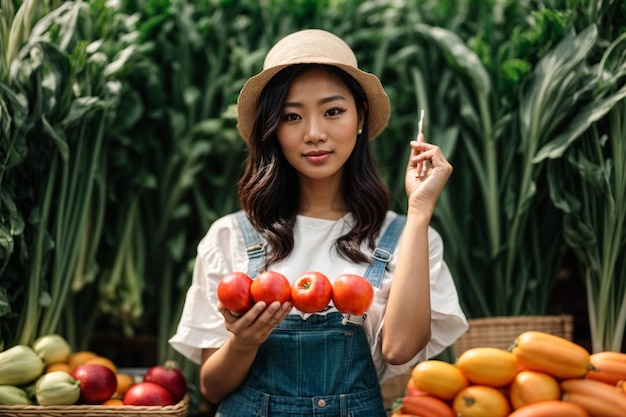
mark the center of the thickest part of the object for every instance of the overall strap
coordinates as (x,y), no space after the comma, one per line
(254,244)
(380,258)
(384,250)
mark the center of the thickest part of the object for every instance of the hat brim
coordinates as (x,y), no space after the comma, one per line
(379,109)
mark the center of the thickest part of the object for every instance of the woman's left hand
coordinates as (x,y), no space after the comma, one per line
(427,172)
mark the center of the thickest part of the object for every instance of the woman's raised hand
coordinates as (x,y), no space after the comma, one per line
(427,172)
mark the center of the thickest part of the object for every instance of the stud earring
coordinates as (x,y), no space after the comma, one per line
(358,132)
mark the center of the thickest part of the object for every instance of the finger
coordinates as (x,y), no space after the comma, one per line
(229,316)
(246,320)
(280,314)
(436,161)
(416,149)
(426,151)
(430,159)
(285,309)
(271,315)
(421,156)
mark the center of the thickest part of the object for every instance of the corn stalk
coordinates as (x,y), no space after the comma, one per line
(589,185)
(67,75)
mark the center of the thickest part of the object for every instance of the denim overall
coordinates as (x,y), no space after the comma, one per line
(321,366)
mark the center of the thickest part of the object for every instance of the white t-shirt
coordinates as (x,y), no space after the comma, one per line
(222,250)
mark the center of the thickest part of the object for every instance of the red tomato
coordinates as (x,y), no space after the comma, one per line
(271,286)
(352,294)
(233,291)
(311,292)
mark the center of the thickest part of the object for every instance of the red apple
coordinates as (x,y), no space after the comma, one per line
(97,382)
(352,294)
(233,291)
(169,377)
(270,286)
(311,292)
(148,394)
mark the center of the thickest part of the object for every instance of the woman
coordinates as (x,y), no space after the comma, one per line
(312,197)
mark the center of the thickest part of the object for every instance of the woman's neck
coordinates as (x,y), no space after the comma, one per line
(322,199)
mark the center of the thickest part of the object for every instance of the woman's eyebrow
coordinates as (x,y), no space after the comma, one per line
(332,98)
(321,101)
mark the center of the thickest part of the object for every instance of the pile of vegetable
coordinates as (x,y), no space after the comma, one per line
(49,373)
(540,375)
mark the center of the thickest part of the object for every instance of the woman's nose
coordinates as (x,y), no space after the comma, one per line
(315,132)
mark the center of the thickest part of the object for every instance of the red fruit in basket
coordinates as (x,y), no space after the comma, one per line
(169,377)
(148,394)
(97,383)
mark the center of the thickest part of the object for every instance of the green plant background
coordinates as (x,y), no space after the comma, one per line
(119,147)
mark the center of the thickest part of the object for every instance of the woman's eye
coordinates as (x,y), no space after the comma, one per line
(289,117)
(335,111)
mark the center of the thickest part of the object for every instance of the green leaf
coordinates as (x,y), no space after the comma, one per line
(122,62)
(208,127)
(58,137)
(553,74)
(460,56)
(586,117)
(559,194)
(80,108)
(5,305)
(513,72)
(13,109)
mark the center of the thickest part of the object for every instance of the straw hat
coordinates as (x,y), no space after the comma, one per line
(312,46)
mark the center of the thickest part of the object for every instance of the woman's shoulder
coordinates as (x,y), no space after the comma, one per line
(223,246)
(226,222)
(390,216)
(222,229)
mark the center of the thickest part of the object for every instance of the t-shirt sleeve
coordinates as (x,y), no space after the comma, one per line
(448,321)
(201,325)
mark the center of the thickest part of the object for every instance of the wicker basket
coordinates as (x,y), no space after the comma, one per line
(394,388)
(501,332)
(178,410)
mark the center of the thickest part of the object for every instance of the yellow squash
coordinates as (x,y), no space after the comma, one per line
(480,401)
(554,355)
(552,408)
(598,398)
(438,378)
(488,366)
(609,367)
(529,387)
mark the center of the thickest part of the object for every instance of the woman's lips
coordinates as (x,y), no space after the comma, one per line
(317,156)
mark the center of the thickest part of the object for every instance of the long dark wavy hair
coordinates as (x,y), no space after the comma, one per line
(269,191)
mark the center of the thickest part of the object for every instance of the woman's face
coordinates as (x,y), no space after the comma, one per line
(318,128)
